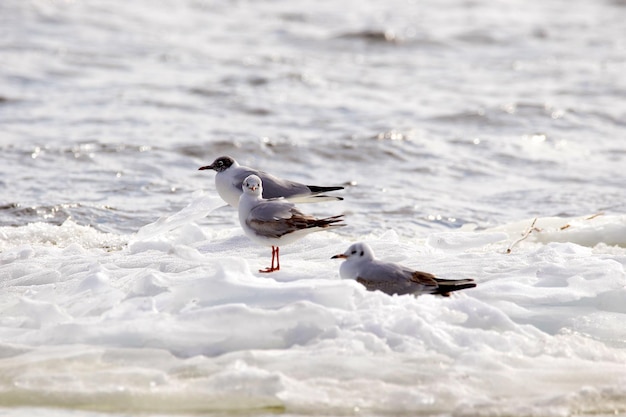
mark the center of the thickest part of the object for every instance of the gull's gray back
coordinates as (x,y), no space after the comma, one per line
(273,187)
(272,218)
(392,279)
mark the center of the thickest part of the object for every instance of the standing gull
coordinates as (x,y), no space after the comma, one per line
(276,222)
(230,176)
(392,278)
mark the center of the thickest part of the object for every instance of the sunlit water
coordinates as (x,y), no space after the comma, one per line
(127,289)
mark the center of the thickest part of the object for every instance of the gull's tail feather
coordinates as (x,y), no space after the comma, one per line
(318,198)
(326,222)
(446,286)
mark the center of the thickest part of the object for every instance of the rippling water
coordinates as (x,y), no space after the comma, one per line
(434,114)
(464,111)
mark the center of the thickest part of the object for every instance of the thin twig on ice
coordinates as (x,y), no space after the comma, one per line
(524,235)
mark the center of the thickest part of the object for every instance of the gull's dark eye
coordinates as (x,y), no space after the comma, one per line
(353,252)
(362,253)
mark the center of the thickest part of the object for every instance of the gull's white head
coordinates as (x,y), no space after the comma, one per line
(357,257)
(357,252)
(252,185)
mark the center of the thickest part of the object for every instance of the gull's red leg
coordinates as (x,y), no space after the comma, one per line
(274,256)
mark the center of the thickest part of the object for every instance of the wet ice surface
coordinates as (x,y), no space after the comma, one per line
(179,321)
(128,289)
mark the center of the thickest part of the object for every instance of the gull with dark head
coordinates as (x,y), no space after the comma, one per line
(276,222)
(391,278)
(230,176)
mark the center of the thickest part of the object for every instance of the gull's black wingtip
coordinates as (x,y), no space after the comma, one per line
(317,189)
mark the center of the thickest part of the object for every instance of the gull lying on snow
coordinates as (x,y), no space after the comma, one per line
(276,222)
(392,278)
(230,176)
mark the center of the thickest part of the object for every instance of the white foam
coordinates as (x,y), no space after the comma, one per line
(181,317)
(19,239)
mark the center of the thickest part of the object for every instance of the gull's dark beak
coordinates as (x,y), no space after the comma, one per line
(340,256)
(206,167)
